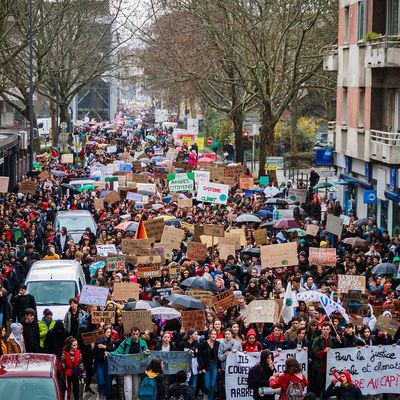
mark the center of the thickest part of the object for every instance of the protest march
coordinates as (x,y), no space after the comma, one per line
(152,269)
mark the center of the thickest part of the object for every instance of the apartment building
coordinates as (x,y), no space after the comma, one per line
(366,135)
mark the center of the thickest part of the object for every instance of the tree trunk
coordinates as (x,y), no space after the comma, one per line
(53,116)
(237,118)
(267,139)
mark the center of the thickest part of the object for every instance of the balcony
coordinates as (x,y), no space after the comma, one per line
(331,58)
(383,52)
(385,146)
(331,133)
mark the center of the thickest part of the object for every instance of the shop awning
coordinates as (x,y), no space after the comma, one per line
(392,196)
(356,182)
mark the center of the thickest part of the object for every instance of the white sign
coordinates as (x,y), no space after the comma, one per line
(201,176)
(181,182)
(193,125)
(111,149)
(274,162)
(212,192)
(373,369)
(104,249)
(283,213)
(94,295)
(346,219)
(146,187)
(238,366)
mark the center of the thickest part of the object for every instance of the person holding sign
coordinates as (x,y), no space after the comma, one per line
(342,387)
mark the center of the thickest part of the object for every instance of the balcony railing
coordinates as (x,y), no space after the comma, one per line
(385,146)
(383,51)
(330,58)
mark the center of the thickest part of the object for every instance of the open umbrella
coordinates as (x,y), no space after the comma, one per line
(251,251)
(172,222)
(384,269)
(361,221)
(158,159)
(165,313)
(185,301)
(322,185)
(247,218)
(58,173)
(300,232)
(264,214)
(267,224)
(127,226)
(141,305)
(279,202)
(68,186)
(151,137)
(355,242)
(85,187)
(199,283)
(205,160)
(287,223)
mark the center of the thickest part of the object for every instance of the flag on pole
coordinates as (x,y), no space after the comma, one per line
(141,231)
(289,304)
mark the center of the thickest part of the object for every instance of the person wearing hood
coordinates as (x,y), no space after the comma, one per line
(31,332)
(259,375)
(15,342)
(291,382)
(180,389)
(55,339)
(342,388)
(152,385)
(45,324)
(251,345)
(276,340)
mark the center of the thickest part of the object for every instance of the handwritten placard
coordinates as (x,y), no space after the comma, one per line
(224,300)
(137,318)
(279,255)
(94,295)
(91,337)
(262,311)
(154,228)
(108,317)
(312,230)
(260,236)
(113,197)
(348,283)
(196,251)
(116,263)
(126,291)
(334,225)
(226,250)
(173,236)
(204,295)
(322,256)
(193,319)
(214,230)
(134,246)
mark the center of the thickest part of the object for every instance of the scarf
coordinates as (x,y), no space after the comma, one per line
(17,335)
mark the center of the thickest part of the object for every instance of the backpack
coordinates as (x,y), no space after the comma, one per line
(148,389)
(294,391)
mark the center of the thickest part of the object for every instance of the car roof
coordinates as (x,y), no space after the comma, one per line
(74,213)
(27,365)
(66,270)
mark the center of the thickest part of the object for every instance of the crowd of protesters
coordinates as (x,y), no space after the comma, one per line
(27,235)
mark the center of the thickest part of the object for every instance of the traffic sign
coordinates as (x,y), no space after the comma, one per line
(209,140)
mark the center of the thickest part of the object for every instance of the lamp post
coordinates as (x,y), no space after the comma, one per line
(31,135)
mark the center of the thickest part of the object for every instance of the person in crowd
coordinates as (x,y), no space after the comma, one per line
(73,317)
(54,340)
(31,332)
(342,388)
(21,302)
(251,345)
(71,360)
(259,375)
(190,344)
(152,385)
(45,324)
(3,340)
(180,389)
(276,340)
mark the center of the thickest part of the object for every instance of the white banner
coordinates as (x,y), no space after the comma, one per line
(373,369)
(238,366)
(212,192)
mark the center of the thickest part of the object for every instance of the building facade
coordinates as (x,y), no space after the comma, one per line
(366,136)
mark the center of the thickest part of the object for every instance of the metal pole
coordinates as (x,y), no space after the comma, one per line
(31,136)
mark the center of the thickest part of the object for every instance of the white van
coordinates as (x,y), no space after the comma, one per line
(53,283)
(44,127)
(76,221)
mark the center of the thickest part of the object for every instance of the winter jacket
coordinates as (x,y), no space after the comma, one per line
(68,318)
(283,381)
(318,353)
(55,339)
(206,354)
(251,348)
(226,347)
(351,392)
(159,382)
(125,346)
(43,329)
(99,354)
(176,390)
(20,304)
(31,336)
(271,343)
(13,347)
(259,377)
(72,363)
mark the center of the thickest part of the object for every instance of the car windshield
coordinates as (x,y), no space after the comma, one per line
(52,293)
(75,224)
(38,388)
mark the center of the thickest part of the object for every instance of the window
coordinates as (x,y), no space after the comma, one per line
(384,214)
(392,24)
(362,20)
(361,108)
(344,107)
(346,24)
(396,218)
(391,106)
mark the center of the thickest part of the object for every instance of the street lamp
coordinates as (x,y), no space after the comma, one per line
(31,135)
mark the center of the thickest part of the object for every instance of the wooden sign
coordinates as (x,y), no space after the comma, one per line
(126,291)
(224,300)
(334,225)
(138,178)
(214,230)
(137,318)
(149,271)
(347,283)
(90,337)
(43,176)
(279,255)
(67,158)
(260,235)
(312,230)
(116,263)
(185,203)
(154,228)
(193,319)
(234,171)
(246,182)
(388,325)
(196,251)
(25,187)
(263,311)
(173,236)
(134,246)
(322,256)
(204,295)
(108,317)
(198,231)
(226,250)
(98,204)
(113,197)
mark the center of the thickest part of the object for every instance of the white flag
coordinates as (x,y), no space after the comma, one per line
(289,304)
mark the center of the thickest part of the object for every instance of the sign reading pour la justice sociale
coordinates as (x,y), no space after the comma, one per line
(212,192)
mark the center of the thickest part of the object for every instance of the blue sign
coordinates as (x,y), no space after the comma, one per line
(324,157)
(393,178)
(368,171)
(370,197)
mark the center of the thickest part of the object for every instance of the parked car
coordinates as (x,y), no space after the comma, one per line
(31,376)
(76,221)
(53,283)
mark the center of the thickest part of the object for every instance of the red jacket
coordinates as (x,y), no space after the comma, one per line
(283,381)
(68,361)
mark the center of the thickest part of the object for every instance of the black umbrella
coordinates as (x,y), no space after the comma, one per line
(279,202)
(199,283)
(70,187)
(384,269)
(141,305)
(34,173)
(268,224)
(185,301)
(172,222)
(361,221)
(121,139)
(252,251)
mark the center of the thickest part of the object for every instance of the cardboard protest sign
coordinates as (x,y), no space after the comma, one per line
(322,256)
(226,250)
(161,291)
(198,231)
(224,300)
(104,249)
(279,255)
(137,318)
(171,154)
(214,230)
(26,186)
(90,337)
(173,236)
(94,295)
(348,283)
(212,192)
(334,224)
(116,263)
(193,319)
(356,303)
(67,158)
(98,204)
(108,317)
(134,246)
(196,251)
(201,176)
(151,271)
(126,291)
(204,295)
(263,311)
(234,171)
(154,228)
(216,172)
(312,230)
(240,233)
(299,195)
(113,197)
(260,235)
(43,176)
(246,182)
(185,203)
